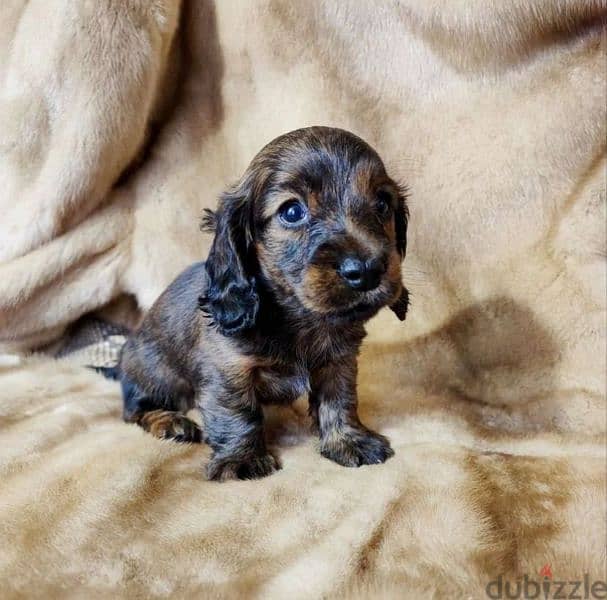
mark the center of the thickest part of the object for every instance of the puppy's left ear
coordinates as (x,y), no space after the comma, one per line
(400,307)
(401,221)
(231,300)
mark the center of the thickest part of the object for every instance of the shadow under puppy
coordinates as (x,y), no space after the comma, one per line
(307,247)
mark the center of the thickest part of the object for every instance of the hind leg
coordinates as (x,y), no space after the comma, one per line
(157,415)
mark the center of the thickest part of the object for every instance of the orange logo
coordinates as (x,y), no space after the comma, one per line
(546,571)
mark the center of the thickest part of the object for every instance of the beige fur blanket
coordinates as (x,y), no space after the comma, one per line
(121,119)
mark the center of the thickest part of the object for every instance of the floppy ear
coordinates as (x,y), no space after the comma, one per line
(400,307)
(231,300)
(401,220)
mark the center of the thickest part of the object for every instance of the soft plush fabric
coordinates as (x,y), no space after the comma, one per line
(90,507)
(120,120)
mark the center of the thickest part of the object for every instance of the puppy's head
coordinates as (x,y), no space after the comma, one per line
(318,220)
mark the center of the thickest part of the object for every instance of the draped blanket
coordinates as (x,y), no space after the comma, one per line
(121,120)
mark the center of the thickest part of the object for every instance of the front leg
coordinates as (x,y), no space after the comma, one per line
(233,427)
(333,406)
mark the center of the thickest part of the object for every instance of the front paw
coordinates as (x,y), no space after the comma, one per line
(254,467)
(356,447)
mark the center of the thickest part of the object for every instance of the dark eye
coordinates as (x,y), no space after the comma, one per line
(293,212)
(383,202)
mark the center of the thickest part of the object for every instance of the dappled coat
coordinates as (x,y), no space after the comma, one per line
(121,121)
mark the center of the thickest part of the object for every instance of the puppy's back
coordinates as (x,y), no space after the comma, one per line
(162,344)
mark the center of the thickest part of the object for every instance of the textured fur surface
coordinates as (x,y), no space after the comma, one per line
(113,139)
(91,507)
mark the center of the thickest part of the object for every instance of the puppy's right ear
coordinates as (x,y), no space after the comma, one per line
(231,300)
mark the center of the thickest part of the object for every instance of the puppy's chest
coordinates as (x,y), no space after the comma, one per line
(280,383)
(285,363)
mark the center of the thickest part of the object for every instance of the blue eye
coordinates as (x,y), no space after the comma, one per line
(293,212)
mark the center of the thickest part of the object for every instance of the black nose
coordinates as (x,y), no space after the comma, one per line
(361,275)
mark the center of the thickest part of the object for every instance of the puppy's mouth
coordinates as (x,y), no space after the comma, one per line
(365,307)
(358,312)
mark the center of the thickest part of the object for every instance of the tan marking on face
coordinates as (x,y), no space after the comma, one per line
(394,266)
(390,229)
(370,246)
(313,199)
(369,177)
(321,288)
(366,183)
(270,250)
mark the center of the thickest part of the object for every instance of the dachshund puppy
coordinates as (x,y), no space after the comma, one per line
(307,247)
